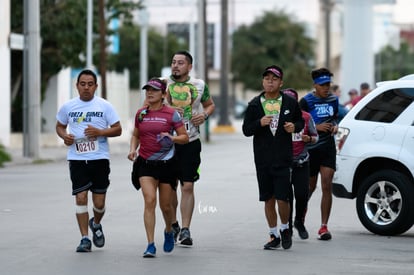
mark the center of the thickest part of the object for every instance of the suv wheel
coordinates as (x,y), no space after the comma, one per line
(385,203)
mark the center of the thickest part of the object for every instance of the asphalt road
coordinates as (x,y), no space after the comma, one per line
(39,234)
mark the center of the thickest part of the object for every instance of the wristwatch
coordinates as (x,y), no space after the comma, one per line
(205,115)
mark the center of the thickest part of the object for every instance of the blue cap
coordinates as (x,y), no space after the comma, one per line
(322,79)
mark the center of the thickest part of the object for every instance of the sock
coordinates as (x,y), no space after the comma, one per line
(284,226)
(273,230)
(85,237)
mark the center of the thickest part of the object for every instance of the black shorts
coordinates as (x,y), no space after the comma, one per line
(322,156)
(90,175)
(189,160)
(274,182)
(165,171)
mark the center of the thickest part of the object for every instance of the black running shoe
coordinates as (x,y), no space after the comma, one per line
(273,243)
(303,234)
(176,230)
(286,239)
(185,237)
(84,246)
(98,235)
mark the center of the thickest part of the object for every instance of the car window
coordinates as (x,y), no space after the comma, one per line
(387,106)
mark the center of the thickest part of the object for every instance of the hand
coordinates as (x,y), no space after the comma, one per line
(198,119)
(92,132)
(68,139)
(306,138)
(289,127)
(324,127)
(266,120)
(132,155)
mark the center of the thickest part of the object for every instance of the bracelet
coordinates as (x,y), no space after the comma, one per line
(205,115)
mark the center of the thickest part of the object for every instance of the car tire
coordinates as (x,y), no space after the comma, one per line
(385,203)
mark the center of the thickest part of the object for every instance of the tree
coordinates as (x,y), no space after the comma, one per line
(272,39)
(63,36)
(393,64)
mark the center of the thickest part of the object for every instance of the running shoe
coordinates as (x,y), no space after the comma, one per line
(185,237)
(273,243)
(303,233)
(286,239)
(150,252)
(168,241)
(84,246)
(324,233)
(176,229)
(98,235)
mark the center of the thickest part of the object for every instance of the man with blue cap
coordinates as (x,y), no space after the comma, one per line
(323,107)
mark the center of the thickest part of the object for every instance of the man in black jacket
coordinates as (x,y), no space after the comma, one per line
(271,118)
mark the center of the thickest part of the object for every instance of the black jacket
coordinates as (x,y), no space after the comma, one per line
(269,150)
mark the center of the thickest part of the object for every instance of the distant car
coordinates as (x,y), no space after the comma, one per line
(375,157)
(237,109)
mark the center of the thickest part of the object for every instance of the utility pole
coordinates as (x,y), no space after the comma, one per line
(224,124)
(31,82)
(327,7)
(143,50)
(202,53)
(89,33)
(102,47)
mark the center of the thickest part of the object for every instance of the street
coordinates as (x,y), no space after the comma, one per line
(39,233)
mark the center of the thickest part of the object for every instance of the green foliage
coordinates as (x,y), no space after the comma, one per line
(272,39)
(4,156)
(63,36)
(393,64)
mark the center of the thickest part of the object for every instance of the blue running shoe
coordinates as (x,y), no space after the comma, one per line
(84,246)
(150,252)
(168,241)
(98,235)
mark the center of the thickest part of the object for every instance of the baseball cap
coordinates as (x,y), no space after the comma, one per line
(291,92)
(322,79)
(155,83)
(274,70)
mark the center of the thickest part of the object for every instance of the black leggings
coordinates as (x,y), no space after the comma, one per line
(300,183)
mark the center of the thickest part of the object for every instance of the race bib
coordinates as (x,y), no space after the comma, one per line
(187,125)
(273,123)
(85,145)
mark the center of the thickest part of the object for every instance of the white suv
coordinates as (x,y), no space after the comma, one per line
(375,157)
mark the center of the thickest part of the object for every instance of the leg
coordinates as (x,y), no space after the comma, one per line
(312,184)
(82,218)
(292,193)
(326,201)
(149,191)
(284,210)
(174,205)
(270,212)
(301,184)
(165,192)
(98,206)
(187,203)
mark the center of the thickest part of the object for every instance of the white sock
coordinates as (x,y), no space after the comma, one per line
(273,230)
(284,226)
